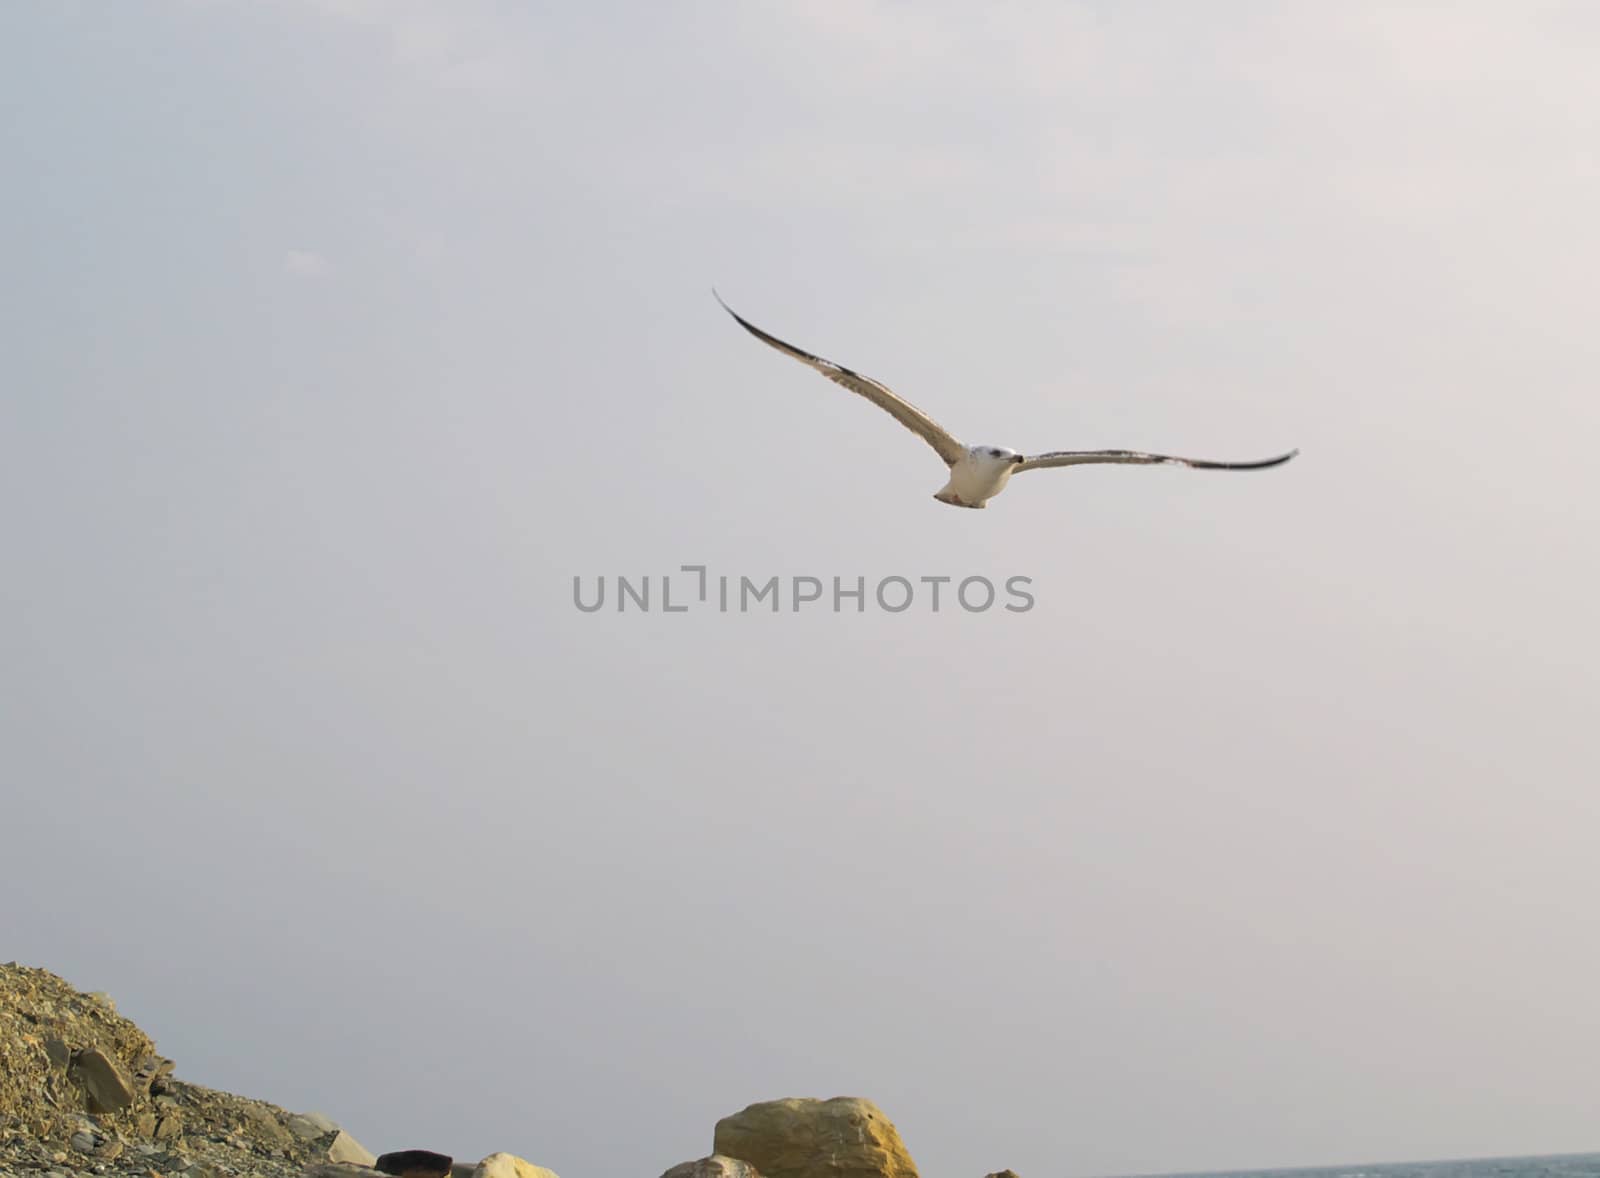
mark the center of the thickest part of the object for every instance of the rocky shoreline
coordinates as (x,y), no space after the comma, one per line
(84,1094)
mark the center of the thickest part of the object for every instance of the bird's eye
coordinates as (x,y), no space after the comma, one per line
(994,454)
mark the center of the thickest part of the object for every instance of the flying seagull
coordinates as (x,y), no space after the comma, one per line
(977,473)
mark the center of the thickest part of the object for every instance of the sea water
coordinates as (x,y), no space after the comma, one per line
(1574,1165)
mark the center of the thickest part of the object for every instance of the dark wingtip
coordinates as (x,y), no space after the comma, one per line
(737,318)
(1262,465)
(1266,462)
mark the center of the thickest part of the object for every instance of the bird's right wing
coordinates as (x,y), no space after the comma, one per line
(880,395)
(1138,457)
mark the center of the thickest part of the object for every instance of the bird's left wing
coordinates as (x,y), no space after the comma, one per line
(1137,457)
(878,393)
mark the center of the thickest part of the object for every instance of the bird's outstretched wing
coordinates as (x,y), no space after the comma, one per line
(1080,457)
(880,395)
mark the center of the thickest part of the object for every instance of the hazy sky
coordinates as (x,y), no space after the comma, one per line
(339,336)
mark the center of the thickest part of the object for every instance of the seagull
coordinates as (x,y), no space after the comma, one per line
(977,473)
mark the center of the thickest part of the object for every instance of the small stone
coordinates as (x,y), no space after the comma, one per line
(415,1163)
(151,1068)
(58,1052)
(168,1127)
(146,1124)
(83,1142)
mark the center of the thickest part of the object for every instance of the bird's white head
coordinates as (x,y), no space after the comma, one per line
(994,456)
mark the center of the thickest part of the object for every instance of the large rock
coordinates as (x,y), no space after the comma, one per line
(714,1166)
(108,1089)
(845,1137)
(262,1127)
(509,1165)
(345,1148)
(310,1126)
(415,1163)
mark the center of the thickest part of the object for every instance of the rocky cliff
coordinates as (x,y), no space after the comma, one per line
(83,1092)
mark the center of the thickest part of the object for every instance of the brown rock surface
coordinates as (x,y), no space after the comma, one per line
(714,1166)
(509,1165)
(846,1137)
(84,1095)
(109,1090)
(345,1148)
(40,1015)
(83,1092)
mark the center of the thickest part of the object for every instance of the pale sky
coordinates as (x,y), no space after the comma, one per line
(339,336)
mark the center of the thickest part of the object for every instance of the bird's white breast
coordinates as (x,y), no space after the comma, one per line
(979,476)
